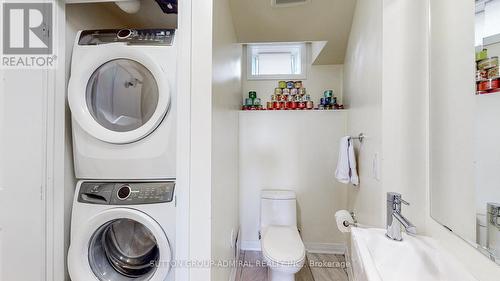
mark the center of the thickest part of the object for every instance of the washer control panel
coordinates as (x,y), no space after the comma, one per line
(162,37)
(126,193)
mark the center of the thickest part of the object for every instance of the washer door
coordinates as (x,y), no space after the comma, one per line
(118,97)
(122,245)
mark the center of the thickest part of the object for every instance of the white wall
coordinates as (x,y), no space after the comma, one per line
(226,93)
(404,107)
(292,150)
(319,79)
(363,97)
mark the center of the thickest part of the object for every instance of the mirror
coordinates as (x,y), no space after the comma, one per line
(465,124)
(487,152)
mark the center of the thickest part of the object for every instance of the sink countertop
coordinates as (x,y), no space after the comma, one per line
(417,258)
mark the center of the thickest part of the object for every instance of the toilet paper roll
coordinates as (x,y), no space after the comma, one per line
(343,216)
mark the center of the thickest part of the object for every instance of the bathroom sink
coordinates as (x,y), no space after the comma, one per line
(378,258)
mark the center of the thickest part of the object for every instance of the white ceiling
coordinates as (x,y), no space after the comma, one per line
(319,20)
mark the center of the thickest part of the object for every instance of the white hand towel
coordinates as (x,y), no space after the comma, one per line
(346,171)
(342,173)
(353,164)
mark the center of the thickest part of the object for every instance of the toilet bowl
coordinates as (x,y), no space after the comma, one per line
(282,247)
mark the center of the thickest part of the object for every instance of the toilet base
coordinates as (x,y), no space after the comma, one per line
(275,275)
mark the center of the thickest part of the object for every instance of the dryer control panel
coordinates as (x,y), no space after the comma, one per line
(126,193)
(162,37)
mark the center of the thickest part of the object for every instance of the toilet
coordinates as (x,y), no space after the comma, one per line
(282,247)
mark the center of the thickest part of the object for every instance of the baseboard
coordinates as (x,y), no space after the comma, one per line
(326,248)
(320,248)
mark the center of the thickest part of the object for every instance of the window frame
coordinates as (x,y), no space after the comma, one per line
(277,47)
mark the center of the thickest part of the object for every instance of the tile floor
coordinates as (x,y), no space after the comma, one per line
(318,267)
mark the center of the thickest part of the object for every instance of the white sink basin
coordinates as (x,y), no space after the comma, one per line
(378,258)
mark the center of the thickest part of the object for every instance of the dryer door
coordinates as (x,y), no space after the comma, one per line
(118,97)
(121,245)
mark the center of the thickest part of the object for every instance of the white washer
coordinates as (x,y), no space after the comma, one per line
(122,93)
(122,231)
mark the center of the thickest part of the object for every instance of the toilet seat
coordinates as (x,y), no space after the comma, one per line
(283,246)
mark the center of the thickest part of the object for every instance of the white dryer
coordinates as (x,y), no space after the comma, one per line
(122,93)
(122,231)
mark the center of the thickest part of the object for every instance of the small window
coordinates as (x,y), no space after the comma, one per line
(276,61)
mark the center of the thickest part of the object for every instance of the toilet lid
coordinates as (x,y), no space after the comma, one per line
(282,244)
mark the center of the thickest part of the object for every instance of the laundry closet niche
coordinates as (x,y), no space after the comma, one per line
(84,15)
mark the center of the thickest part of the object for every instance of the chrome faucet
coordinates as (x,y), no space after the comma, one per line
(395,220)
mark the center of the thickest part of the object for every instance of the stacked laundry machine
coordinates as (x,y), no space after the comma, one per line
(122,96)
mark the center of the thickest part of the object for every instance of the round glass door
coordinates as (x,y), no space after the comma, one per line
(123,249)
(122,95)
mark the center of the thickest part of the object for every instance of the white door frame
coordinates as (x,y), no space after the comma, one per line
(55,248)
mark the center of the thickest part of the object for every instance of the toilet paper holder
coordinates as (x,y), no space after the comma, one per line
(347,223)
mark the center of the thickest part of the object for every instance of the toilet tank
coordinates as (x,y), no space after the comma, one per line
(278,207)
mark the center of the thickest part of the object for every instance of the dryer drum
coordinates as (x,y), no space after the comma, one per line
(130,248)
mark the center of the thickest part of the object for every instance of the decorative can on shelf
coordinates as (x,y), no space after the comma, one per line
(294,91)
(252,94)
(489,84)
(282,84)
(482,74)
(286,91)
(278,91)
(302,91)
(289,84)
(256,101)
(492,73)
(273,98)
(482,55)
(282,105)
(487,63)
(269,105)
(309,104)
(248,102)
(328,93)
(297,84)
